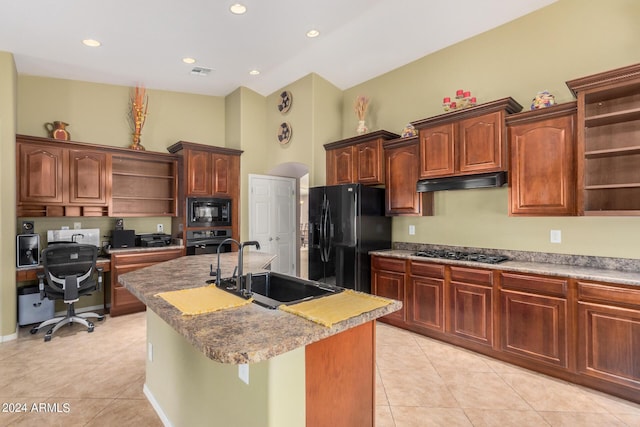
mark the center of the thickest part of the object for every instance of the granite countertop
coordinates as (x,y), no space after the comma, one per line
(626,275)
(246,334)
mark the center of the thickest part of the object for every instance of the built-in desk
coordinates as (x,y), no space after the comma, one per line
(24,274)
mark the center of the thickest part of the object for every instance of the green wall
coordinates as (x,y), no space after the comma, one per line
(540,51)
(8,312)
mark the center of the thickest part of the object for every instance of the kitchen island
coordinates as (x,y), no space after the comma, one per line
(251,365)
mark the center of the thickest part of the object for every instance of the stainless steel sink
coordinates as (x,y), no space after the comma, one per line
(271,289)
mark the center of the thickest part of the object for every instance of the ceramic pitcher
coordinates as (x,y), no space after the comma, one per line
(57,130)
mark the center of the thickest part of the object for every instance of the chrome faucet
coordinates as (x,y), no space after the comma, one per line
(240,261)
(218,272)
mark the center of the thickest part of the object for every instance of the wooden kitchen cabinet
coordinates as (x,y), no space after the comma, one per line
(56,180)
(208,170)
(340,165)
(534,318)
(401,175)
(471,305)
(465,142)
(144,184)
(425,299)
(608,159)
(358,159)
(388,280)
(542,177)
(123,301)
(609,335)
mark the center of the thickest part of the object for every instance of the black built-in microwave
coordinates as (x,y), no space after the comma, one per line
(208,212)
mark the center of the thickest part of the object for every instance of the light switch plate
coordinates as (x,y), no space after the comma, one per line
(555,236)
(412,230)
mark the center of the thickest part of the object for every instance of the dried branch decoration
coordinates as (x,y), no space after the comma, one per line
(361,105)
(139,107)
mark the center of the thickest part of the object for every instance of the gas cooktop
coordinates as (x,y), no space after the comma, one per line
(462,256)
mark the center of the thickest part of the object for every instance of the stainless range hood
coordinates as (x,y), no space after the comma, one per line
(485,180)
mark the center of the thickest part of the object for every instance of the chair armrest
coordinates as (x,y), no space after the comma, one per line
(40,276)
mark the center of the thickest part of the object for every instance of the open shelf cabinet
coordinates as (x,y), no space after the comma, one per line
(609,142)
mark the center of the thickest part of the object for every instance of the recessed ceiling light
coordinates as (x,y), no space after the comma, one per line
(313,33)
(238,9)
(188,60)
(91,42)
(254,72)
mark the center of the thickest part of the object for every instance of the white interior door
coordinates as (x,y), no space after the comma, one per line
(272,219)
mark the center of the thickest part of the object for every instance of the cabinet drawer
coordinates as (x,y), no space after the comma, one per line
(536,285)
(427,269)
(389,264)
(608,294)
(472,275)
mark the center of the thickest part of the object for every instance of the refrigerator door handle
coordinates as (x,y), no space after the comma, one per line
(328,232)
(323,215)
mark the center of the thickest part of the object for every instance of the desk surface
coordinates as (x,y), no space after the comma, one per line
(24,274)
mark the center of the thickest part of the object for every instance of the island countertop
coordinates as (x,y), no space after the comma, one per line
(246,334)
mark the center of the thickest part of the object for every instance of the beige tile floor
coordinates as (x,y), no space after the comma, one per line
(96,380)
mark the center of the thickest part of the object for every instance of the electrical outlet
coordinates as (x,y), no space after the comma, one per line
(160,228)
(77,225)
(150,352)
(412,230)
(555,236)
(243,372)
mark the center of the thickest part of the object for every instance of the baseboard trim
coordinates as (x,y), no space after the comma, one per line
(156,406)
(13,336)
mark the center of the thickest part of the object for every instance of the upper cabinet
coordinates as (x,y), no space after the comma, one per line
(465,142)
(542,177)
(608,165)
(209,170)
(401,158)
(358,159)
(144,184)
(60,179)
(57,178)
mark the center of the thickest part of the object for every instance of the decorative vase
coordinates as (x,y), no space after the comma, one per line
(362,128)
(136,145)
(57,130)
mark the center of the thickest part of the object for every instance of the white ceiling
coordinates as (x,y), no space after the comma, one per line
(143,41)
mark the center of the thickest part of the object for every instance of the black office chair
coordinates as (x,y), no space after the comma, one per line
(70,271)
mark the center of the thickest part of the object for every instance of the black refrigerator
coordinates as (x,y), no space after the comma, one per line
(345,223)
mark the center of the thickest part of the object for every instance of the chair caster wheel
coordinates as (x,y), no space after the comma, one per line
(100,319)
(33,331)
(90,328)
(47,338)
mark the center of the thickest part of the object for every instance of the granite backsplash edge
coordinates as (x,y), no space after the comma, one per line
(607,263)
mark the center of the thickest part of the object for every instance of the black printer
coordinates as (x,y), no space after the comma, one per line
(153,240)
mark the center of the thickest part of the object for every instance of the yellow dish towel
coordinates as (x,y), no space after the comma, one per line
(332,309)
(202,300)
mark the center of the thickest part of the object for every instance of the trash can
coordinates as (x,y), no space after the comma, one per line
(31,309)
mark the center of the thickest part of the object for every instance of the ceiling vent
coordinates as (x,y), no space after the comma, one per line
(200,71)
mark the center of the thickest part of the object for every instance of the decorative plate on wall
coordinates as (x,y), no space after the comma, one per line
(285,101)
(284,133)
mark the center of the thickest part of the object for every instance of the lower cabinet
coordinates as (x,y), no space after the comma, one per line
(123,301)
(609,334)
(471,304)
(580,331)
(388,280)
(425,297)
(534,319)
